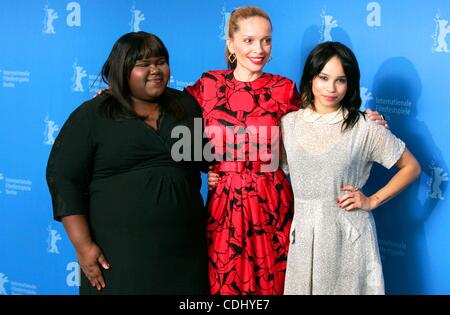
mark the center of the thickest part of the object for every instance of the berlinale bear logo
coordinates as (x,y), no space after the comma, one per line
(442,30)
(439,176)
(78,74)
(3,281)
(136,18)
(50,129)
(50,16)
(366,96)
(73,18)
(224,25)
(328,23)
(53,237)
(1,178)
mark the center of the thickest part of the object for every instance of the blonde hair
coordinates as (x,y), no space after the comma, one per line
(237,15)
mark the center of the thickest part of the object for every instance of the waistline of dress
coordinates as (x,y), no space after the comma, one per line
(160,167)
(242,166)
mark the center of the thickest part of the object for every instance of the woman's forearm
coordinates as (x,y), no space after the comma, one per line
(409,171)
(78,230)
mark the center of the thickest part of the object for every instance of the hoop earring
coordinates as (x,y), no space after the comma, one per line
(232,58)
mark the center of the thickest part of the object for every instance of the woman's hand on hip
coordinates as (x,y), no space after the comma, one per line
(355,199)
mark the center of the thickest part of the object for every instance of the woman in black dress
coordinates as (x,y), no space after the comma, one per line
(134,215)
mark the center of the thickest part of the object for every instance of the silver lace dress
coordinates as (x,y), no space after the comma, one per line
(333,251)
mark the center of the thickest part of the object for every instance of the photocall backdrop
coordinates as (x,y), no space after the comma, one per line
(51,53)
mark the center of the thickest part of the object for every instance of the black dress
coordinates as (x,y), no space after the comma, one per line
(145,210)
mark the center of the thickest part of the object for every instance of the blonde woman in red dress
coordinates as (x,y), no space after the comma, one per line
(251,202)
(250,209)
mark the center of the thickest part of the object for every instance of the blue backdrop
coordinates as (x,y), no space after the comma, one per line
(52,51)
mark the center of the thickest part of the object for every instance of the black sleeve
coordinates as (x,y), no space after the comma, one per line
(69,165)
(202,165)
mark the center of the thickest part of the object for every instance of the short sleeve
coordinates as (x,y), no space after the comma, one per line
(293,99)
(207,90)
(385,148)
(69,166)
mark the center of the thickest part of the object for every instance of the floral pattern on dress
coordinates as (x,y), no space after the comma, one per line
(250,210)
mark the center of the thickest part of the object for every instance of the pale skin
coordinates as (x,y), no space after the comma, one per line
(147,82)
(252,45)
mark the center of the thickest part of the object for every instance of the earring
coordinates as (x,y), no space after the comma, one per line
(270,59)
(232,58)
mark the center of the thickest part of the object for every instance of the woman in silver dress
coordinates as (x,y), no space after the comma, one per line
(330,147)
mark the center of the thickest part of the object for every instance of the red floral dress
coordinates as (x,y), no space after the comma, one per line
(250,209)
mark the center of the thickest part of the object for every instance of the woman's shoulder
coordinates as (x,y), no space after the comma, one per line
(364,124)
(216,74)
(209,78)
(91,107)
(176,93)
(290,117)
(182,96)
(280,79)
(87,113)
(185,99)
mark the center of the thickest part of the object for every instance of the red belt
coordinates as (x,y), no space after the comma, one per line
(239,166)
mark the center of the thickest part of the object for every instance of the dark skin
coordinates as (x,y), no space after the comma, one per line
(90,256)
(151,113)
(147,82)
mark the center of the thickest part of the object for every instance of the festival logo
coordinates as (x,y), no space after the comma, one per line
(53,237)
(1,183)
(440,35)
(14,78)
(15,186)
(78,74)
(224,25)
(328,23)
(393,106)
(50,129)
(439,176)
(3,281)
(136,18)
(50,16)
(179,84)
(366,96)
